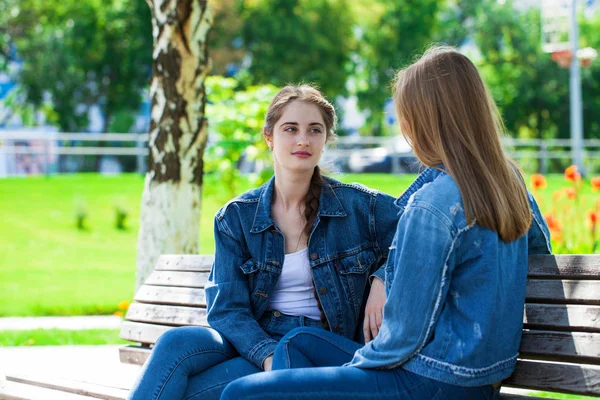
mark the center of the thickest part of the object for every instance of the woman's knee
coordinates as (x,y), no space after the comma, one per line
(191,336)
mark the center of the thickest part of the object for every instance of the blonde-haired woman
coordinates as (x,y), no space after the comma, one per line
(301,250)
(457,267)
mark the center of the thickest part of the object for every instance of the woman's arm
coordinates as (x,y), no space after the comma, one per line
(385,221)
(424,243)
(228,299)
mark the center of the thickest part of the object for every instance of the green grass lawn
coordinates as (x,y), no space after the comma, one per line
(57,337)
(49,267)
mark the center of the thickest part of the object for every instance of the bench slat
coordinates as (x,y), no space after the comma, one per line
(20,391)
(564,266)
(76,387)
(568,346)
(556,377)
(168,315)
(177,278)
(142,333)
(562,292)
(185,262)
(134,355)
(562,317)
(171,295)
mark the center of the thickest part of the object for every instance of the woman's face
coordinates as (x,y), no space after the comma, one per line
(299,137)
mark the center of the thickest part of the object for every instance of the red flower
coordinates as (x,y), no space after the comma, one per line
(595,183)
(593,216)
(571,173)
(553,223)
(538,181)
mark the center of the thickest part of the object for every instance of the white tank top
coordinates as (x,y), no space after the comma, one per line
(294,293)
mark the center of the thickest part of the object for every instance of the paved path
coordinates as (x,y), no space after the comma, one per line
(92,364)
(67,323)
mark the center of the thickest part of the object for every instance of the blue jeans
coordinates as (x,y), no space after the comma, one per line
(320,354)
(195,362)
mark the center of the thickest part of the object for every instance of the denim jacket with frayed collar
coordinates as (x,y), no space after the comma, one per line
(348,243)
(456,291)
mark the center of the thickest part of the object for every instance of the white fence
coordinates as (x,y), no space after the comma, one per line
(44,149)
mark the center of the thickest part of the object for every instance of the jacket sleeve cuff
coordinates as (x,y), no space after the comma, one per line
(261,351)
(380,273)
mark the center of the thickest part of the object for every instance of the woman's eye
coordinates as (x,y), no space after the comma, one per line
(315,130)
(290,129)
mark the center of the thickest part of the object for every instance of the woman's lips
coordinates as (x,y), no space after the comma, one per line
(302,154)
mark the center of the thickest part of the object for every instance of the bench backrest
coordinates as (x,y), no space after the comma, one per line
(560,350)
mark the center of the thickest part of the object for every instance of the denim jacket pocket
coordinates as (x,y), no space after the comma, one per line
(249,267)
(356,264)
(354,273)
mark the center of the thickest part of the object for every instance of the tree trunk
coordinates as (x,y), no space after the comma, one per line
(170,211)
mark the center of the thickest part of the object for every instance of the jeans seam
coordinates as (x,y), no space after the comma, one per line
(185,357)
(319,337)
(205,390)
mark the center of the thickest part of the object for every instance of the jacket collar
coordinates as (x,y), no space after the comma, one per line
(329,205)
(427,176)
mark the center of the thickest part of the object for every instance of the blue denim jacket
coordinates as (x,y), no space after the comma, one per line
(349,242)
(456,291)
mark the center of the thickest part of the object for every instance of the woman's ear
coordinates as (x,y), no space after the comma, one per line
(269,140)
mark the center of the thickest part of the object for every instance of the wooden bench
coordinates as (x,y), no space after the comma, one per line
(560,350)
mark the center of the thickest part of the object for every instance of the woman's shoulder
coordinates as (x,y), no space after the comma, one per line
(249,198)
(441,197)
(354,189)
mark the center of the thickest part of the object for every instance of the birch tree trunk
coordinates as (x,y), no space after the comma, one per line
(170,210)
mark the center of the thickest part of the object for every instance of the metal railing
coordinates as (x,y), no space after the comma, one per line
(47,146)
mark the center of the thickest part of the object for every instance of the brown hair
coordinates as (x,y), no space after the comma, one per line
(448,115)
(310,95)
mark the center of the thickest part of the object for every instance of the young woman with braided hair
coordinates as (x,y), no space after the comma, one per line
(303,250)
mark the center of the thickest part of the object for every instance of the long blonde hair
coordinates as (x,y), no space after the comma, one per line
(448,115)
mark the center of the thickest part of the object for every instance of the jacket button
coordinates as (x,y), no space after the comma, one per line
(277,314)
(323,290)
(314,256)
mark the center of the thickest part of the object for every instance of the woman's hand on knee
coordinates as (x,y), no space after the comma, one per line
(268,363)
(374,310)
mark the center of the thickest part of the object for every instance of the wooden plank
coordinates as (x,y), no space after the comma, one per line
(565,266)
(556,377)
(75,387)
(562,317)
(171,295)
(20,391)
(134,354)
(177,278)
(185,262)
(142,333)
(567,346)
(168,315)
(563,291)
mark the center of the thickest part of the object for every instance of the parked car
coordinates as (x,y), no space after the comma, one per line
(363,155)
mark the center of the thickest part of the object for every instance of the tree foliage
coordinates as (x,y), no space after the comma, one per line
(236,122)
(292,41)
(82,53)
(401,30)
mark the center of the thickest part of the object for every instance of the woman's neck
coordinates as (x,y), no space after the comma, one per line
(291,188)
